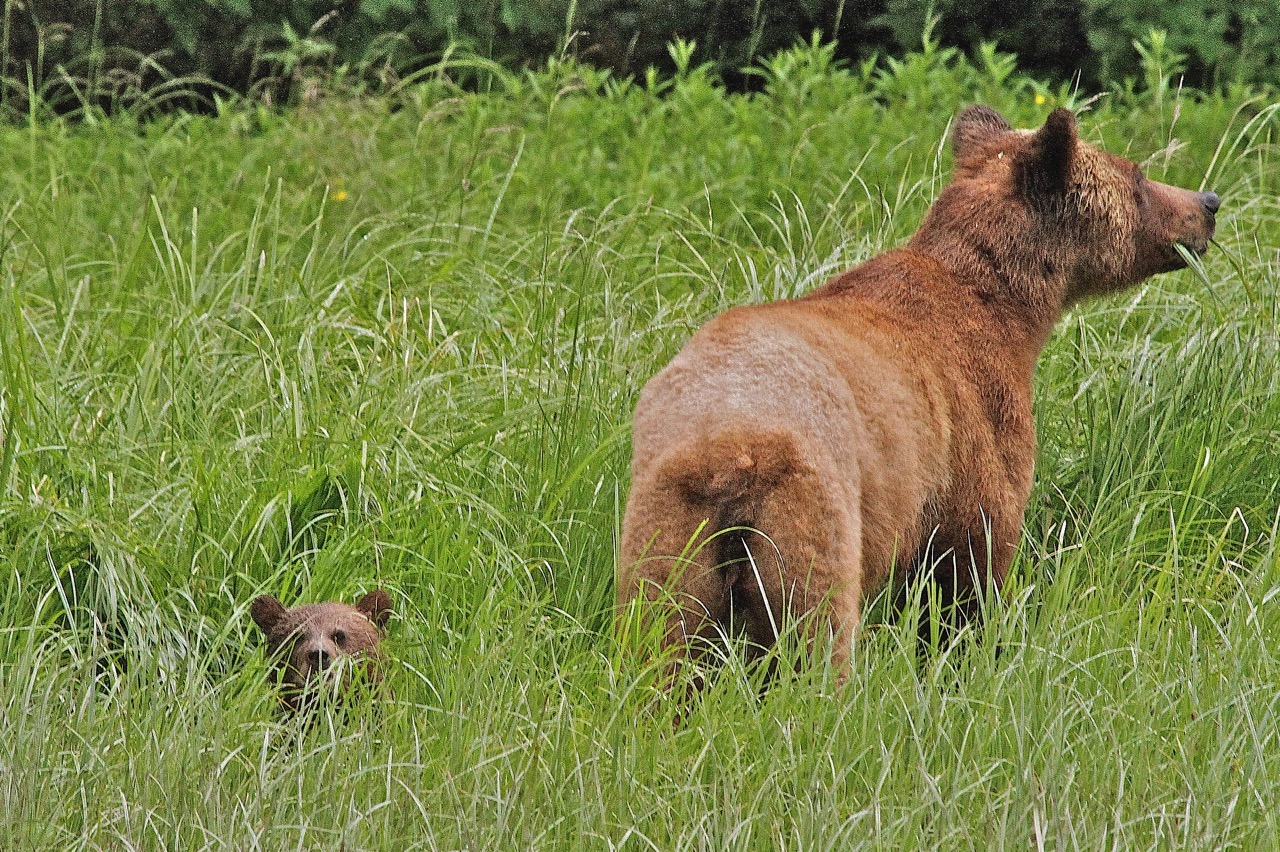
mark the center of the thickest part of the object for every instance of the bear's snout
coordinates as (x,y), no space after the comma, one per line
(1175,217)
(318,659)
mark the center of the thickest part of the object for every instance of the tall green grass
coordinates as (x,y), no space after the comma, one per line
(396,341)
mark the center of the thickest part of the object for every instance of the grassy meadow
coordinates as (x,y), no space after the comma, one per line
(396,341)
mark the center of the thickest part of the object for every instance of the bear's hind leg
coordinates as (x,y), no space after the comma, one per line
(802,565)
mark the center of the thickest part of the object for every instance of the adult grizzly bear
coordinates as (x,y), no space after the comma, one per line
(304,643)
(795,454)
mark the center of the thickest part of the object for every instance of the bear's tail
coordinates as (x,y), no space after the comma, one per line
(734,469)
(736,521)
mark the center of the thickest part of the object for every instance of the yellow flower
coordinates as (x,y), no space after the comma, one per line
(1039,99)
(338,195)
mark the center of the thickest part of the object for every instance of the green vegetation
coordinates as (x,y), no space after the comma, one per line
(180,53)
(397,342)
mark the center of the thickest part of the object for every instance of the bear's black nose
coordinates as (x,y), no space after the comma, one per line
(319,660)
(1211,201)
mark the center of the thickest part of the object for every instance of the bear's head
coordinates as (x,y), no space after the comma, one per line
(1044,206)
(322,643)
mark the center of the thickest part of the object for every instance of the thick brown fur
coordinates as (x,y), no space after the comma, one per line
(304,642)
(881,425)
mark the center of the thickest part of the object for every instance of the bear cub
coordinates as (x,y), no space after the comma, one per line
(321,645)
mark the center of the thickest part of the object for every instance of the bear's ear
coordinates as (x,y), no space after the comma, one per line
(975,126)
(1045,162)
(268,614)
(376,607)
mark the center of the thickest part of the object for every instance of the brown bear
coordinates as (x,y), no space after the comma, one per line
(795,455)
(305,643)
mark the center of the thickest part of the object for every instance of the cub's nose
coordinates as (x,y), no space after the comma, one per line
(1211,201)
(319,659)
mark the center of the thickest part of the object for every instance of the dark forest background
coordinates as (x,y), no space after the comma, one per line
(247,45)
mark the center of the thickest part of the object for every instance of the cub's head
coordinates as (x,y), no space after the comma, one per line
(322,643)
(1095,222)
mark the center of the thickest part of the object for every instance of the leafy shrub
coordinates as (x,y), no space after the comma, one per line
(1048,36)
(1222,42)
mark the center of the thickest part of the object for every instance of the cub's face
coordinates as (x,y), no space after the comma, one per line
(310,644)
(1094,216)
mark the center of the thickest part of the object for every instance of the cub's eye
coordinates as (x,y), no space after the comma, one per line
(339,637)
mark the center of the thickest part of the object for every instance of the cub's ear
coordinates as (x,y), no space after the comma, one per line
(974,127)
(376,606)
(1044,164)
(268,614)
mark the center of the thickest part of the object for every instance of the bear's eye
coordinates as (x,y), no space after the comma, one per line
(339,637)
